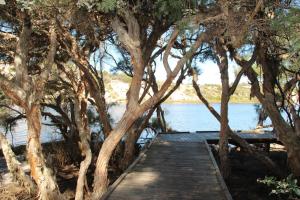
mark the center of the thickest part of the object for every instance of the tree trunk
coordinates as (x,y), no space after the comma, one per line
(286,134)
(14,166)
(41,174)
(223,142)
(129,150)
(161,119)
(100,177)
(85,137)
(73,136)
(132,136)
(262,116)
(294,158)
(102,110)
(240,141)
(284,131)
(130,39)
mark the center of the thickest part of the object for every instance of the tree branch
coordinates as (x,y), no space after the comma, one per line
(21,55)
(251,150)
(246,65)
(156,97)
(168,51)
(50,59)
(13,91)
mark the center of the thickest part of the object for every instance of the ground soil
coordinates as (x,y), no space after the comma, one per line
(245,170)
(66,171)
(242,184)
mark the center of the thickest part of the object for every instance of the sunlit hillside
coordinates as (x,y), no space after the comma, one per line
(117,85)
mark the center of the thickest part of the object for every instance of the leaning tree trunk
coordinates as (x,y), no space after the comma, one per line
(285,132)
(100,177)
(14,166)
(27,91)
(130,38)
(239,140)
(41,174)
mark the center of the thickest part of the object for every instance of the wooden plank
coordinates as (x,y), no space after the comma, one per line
(212,137)
(220,178)
(118,181)
(171,170)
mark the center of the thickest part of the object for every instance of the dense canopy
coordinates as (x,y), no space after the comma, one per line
(54,53)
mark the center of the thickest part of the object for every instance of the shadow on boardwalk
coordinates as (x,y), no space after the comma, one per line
(172,170)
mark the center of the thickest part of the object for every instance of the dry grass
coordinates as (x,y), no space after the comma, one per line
(13,191)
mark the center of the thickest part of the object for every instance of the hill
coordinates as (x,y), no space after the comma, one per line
(117,86)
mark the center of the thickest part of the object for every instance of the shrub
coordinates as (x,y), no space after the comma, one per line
(287,187)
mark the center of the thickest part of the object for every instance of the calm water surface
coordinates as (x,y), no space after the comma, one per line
(196,117)
(180,117)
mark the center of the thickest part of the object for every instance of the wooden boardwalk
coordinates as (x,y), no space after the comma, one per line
(172,169)
(212,137)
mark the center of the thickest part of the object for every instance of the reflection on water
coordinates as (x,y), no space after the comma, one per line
(180,117)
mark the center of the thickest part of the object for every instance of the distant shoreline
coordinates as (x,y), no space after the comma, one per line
(195,102)
(212,102)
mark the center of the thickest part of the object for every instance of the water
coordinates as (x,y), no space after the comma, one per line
(18,135)
(196,117)
(180,117)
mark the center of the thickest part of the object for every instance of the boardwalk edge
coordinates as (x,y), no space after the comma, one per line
(218,173)
(142,154)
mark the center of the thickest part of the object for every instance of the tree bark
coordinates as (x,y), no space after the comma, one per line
(41,174)
(224,129)
(286,134)
(100,177)
(133,135)
(161,118)
(27,93)
(14,166)
(80,108)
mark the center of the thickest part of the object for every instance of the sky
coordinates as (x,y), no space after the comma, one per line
(210,73)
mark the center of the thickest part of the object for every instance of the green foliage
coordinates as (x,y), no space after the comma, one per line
(42,4)
(287,187)
(287,25)
(154,123)
(107,5)
(174,9)
(104,5)
(171,8)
